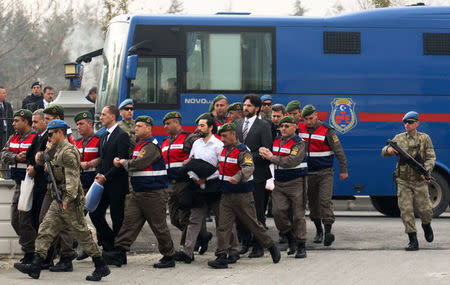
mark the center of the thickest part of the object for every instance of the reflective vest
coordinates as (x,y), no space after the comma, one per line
(228,167)
(151,178)
(319,154)
(18,170)
(287,174)
(88,153)
(174,155)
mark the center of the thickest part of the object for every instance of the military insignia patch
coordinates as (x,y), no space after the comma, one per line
(84,115)
(248,159)
(343,117)
(294,150)
(141,153)
(53,123)
(54,110)
(22,113)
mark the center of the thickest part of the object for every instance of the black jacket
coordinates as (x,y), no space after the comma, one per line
(31,102)
(117,145)
(259,135)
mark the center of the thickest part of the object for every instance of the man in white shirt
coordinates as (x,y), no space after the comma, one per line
(207,148)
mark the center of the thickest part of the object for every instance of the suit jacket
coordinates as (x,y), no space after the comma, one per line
(38,144)
(259,135)
(7,115)
(117,146)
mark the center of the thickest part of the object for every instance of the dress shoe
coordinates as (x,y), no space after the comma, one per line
(204,243)
(257,252)
(114,257)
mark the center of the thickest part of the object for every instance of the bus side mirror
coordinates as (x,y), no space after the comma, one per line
(132,61)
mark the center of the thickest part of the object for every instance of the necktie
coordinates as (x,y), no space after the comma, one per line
(106,138)
(245,130)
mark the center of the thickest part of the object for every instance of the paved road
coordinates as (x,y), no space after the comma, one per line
(368,250)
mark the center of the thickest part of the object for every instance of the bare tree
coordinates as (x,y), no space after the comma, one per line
(112,8)
(176,7)
(299,10)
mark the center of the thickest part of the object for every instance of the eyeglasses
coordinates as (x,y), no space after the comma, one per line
(409,122)
(128,108)
(267,104)
(50,134)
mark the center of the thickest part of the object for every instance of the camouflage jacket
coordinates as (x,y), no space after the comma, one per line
(66,168)
(420,147)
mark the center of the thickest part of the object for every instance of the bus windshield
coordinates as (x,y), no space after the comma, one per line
(113,54)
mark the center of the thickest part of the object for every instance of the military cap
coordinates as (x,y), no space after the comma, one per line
(293,105)
(288,119)
(126,102)
(308,110)
(24,113)
(411,115)
(36,83)
(56,124)
(235,107)
(266,97)
(217,98)
(145,119)
(227,127)
(55,110)
(202,116)
(83,115)
(172,115)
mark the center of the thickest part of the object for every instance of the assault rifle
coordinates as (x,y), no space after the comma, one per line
(52,178)
(408,159)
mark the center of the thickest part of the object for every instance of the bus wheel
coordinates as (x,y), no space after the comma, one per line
(387,205)
(439,194)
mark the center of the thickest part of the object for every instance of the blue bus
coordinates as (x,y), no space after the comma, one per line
(363,71)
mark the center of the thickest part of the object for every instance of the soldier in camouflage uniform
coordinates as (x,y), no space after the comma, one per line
(412,187)
(65,166)
(126,109)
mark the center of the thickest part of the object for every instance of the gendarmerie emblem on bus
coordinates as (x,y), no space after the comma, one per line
(343,117)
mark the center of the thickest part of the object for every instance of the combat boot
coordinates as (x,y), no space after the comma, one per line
(64,265)
(275,253)
(319,231)
(115,257)
(165,262)
(221,262)
(181,256)
(292,243)
(413,242)
(283,239)
(48,261)
(27,258)
(301,250)
(428,231)
(257,251)
(101,269)
(329,237)
(206,237)
(33,269)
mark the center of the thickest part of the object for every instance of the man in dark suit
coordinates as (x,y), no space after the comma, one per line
(113,143)
(255,133)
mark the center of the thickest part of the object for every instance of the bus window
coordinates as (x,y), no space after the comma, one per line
(156,81)
(234,61)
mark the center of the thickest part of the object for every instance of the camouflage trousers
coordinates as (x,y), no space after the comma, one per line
(55,221)
(410,195)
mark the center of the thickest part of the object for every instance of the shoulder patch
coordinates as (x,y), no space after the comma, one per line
(335,138)
(141,153)
(248,159)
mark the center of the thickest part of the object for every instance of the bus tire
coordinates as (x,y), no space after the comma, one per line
(387,205)
(439,194)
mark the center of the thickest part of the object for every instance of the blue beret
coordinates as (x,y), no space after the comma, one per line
(411,115)
(126,102)
(55,124)
(266,97)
